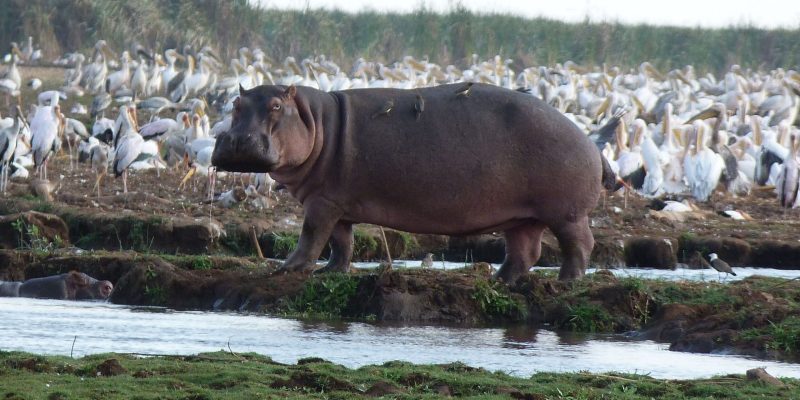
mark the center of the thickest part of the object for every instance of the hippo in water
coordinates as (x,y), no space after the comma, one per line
(475,159)
(70,286)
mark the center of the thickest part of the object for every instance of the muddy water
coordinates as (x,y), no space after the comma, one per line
(49,327)
(671,275)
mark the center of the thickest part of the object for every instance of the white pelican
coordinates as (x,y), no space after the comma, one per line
(703,167)
(121,78)
(45,127)
(94,75)
(170,72)
(72,77)
(199,153)
(139,79)
(652,158)
(196,82)
(789,177)
(629,160)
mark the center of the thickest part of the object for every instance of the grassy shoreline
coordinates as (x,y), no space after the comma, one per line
(229,375)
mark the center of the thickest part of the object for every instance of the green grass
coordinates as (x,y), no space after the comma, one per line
(782,336)
(365,245)
(585,317)
(324,296)
(496,302)
(283,243)
(224,375)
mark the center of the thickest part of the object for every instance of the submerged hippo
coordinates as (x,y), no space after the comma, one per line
(475,159)
(70,286)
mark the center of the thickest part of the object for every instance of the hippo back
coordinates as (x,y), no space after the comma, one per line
(465,164)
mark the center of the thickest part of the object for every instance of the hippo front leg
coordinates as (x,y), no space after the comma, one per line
(341,249)
(318,224)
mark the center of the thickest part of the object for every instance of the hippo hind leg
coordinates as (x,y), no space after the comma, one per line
(523,248)
(341,248)
(576,242)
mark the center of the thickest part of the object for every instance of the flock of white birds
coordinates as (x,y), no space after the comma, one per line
(678,133)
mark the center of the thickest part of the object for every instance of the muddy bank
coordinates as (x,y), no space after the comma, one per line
(128,230)
(745,317)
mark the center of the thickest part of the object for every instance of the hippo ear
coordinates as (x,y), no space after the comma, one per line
(290,92)
(241,90)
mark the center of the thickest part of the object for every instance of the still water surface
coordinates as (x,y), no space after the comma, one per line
(679,274)
(49,327)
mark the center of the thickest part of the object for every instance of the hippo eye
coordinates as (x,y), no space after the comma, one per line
(276,107)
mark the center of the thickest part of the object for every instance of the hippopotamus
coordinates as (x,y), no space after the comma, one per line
(70,286)
(457,159)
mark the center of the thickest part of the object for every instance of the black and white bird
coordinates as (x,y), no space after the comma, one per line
(719,265)
(8,146)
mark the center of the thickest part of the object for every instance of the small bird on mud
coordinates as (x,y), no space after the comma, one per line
(427,262)
(465,90)
(419,106)
(385,110)
(719,265)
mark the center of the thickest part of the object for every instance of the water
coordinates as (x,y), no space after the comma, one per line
(701,275)
(49,327)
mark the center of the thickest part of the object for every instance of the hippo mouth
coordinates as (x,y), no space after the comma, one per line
(106,290)
(242,166)
(250,158)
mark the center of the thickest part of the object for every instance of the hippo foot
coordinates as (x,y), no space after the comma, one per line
(508,274)
(569,274)
(290,266)
(342,268)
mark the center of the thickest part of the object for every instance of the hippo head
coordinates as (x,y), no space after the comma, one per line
(272,130)
(103,289)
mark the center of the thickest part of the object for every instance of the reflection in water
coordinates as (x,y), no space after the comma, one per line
(49,326)
(572,338)
(519,337)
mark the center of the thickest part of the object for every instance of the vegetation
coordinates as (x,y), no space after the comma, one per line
(584,317)
(365,246)
(283,243)
(446,38)
(783,336)
(236,376)
(29,238)
(495,301)
(325,296)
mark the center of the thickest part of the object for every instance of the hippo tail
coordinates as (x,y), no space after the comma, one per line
(608,178)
